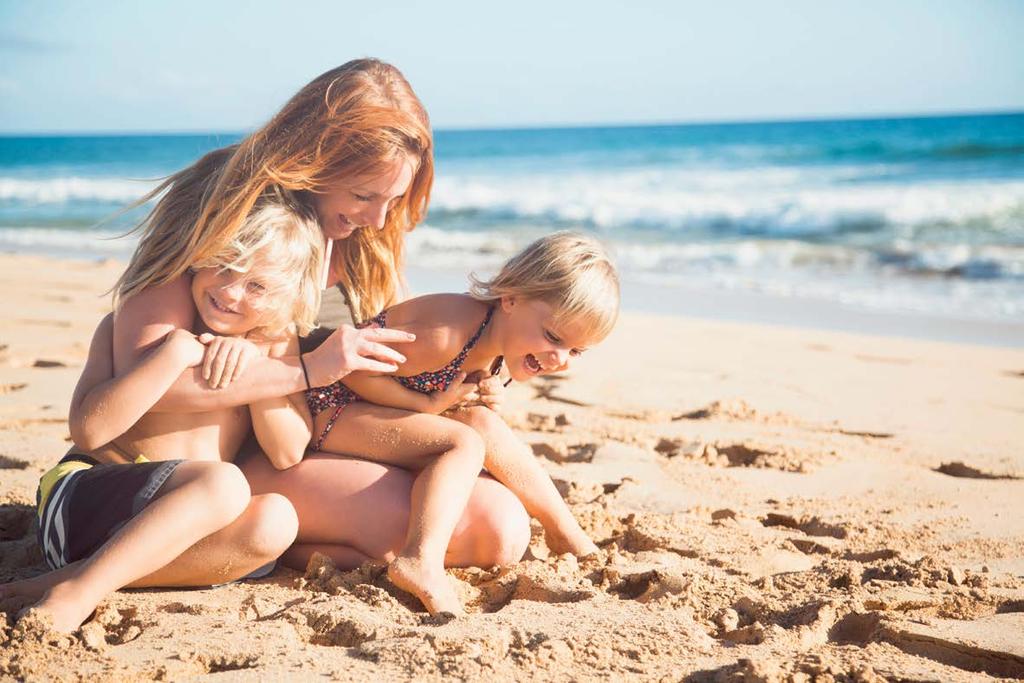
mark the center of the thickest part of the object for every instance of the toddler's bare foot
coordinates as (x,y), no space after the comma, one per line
(64,612)
(431,586)
(577,543)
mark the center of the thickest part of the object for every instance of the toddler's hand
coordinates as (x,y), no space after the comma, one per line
(226,358)
(456,393)
(489,392)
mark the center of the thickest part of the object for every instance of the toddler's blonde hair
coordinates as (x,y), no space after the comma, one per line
(568,270)
(279,244)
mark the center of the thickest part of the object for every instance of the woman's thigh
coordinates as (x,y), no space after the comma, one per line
(365,505)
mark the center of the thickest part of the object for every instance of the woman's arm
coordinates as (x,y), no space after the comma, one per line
(283,424)
(104,407)
(146,318)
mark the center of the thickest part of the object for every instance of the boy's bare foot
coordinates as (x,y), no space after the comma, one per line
(32,589)
(431,586)
(64,612)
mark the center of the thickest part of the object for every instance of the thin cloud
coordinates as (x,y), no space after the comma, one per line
(13,42)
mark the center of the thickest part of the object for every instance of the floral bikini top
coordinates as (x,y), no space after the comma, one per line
(338,395)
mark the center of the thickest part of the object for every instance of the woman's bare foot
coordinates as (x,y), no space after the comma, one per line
(431,586)
(575,542)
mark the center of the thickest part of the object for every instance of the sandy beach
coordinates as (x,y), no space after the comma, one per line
(771,504)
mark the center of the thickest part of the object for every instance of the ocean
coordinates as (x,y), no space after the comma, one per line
(905,216)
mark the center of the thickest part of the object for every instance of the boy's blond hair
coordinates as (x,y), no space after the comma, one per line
(280,245)
(569,270)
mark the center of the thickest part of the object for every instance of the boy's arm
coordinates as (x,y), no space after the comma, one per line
(147,317)
(104,407)
(283,424)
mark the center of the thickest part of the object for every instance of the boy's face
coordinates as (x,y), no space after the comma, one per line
(227,302)
(363,201)
(534,344)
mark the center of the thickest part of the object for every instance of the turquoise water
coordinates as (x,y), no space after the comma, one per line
(909,215)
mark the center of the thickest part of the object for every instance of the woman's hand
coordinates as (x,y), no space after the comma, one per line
(226,358)
(350,349)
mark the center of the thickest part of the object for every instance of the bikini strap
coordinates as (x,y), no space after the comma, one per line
(473,340)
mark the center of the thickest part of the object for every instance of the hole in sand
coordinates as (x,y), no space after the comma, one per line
(1010,606)
(855,629)
(15,521)
(216,665)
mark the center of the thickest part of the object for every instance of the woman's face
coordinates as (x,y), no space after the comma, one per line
(363,201)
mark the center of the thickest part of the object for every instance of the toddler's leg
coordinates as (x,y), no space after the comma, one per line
(449,457)
(190,534)
(512,463)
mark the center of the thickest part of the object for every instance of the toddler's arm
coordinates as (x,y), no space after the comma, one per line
(384,390)
(104,407)
(282,424)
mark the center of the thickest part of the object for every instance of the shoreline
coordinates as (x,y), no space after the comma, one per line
(716,304)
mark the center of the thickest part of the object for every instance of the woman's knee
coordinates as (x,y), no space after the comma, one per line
(503,527)
(269,526)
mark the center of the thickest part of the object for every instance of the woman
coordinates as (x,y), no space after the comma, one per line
(355,143)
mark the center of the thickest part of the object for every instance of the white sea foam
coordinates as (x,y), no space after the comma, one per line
(763,201)
(60,190)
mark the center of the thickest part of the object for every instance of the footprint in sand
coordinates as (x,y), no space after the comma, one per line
(562,453)
(9,463)
(812,526)
(782,458)
(11,388)
(959,469)
(43,363)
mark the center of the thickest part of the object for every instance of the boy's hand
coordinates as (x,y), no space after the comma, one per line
(226,358)
(456,393)
(185,346)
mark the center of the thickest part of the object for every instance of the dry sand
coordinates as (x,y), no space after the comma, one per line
(771,504)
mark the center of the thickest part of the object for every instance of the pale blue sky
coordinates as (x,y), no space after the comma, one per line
(207,65)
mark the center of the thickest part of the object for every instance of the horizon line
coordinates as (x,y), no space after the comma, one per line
(826,118)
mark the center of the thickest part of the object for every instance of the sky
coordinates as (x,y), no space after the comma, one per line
(192,65)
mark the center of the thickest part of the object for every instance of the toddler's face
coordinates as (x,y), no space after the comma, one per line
(363,201)
(228,302)
(534,344)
